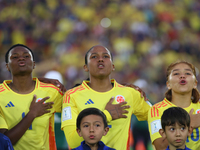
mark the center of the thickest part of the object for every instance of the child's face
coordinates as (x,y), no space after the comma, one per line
(92,129)
(176,135)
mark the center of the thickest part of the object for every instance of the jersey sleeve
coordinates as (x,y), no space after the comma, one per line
(3,124)
(58,97)
(69,115)
(108,116)
(154,123)
(53,92)
(140,107)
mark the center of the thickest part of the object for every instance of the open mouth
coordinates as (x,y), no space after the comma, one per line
(100,66)
(21,64)
(182,82)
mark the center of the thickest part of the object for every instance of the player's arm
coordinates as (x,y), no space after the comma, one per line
(69,115)
(36,110)
(54,82)
(140,106)
(72,137)
(154,124)
(57,98)
(160,143)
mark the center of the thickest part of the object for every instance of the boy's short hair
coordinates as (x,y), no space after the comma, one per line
(90,111)
(6,55)
(174,115)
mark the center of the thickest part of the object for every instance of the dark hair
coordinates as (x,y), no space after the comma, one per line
(6,56)
(195,92)
(86,55)
(174,115)
(90,111)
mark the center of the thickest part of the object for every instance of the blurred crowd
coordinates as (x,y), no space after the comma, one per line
(145,36)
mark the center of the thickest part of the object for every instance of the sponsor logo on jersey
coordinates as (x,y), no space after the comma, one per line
(197,111)
(89,102)
(10,104)
(66,113)
(119,98)
(155,126)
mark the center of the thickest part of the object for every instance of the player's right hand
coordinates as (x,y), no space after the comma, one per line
(39,108)
(117,110)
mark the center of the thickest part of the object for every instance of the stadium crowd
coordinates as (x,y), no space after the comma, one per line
(145,36)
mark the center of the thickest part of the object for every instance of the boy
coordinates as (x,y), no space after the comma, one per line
(92,125)
(175,123)
(5,143)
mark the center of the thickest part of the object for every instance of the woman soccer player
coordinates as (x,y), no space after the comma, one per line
(97,93)
(182,92)
(27,106)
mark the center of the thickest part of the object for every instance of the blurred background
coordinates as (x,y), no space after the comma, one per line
(145,36)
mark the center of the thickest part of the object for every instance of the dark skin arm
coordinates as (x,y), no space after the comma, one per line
(35,110)
(54,82)
(117,110)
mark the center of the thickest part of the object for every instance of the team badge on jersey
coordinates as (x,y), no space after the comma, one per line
(197,111)
(39,99)
(119,98)
(66,113)
(155,126)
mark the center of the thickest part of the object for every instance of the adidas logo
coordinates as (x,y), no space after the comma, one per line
(10,104)
(89,102)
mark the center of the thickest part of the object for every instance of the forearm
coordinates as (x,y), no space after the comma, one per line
(18,131)
(72,137)
(160,143)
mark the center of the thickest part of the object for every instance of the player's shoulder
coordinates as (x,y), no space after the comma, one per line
(118,85)
(4,87)
(195,106)
(75,90)
(122,86)
(47,85)
(162,104)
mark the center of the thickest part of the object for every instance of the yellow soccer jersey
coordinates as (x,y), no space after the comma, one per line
(14,106)
(81,97)
(154,122)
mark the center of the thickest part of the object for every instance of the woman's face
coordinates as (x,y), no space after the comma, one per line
(181,79)
(20,61)
(99,62)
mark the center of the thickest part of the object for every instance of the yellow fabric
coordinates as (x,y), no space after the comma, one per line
(14,106)
(81,97)
(108,116)
(154,118)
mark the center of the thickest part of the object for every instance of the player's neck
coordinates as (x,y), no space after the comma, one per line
(22,85)
(100,85)
(181,100)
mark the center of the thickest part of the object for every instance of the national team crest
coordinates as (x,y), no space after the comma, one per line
(119,98)
(39,99)
(197,111)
